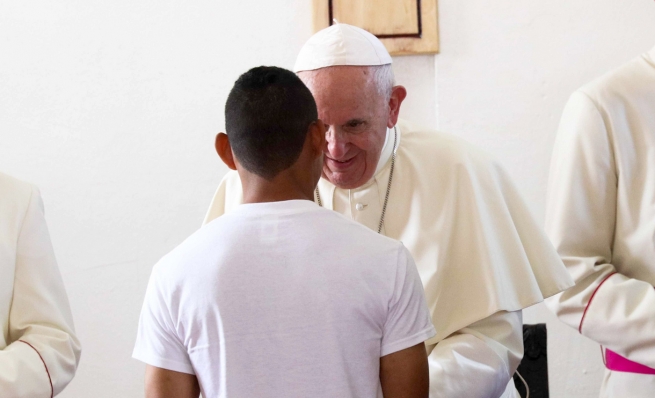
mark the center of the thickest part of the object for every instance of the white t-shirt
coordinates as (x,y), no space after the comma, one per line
(282,299)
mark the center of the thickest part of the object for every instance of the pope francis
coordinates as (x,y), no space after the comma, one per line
(39,351)
(481,256)
(601,218)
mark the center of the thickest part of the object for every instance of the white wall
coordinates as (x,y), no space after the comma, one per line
(504,74)
(111,108)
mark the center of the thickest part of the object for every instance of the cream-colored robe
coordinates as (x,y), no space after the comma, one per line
(39,352)
(601,218)
(480,254)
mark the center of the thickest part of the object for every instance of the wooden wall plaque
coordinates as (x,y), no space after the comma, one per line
(404,26)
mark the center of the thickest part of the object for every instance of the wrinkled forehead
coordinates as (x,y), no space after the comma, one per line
(338,78)
(345,93)
(342,86)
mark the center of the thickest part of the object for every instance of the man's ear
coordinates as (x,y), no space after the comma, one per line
(224,150)
(317,132)
(398,94)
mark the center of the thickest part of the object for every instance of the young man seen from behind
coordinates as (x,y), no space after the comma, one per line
(281,297)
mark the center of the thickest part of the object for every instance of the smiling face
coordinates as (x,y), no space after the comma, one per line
(357,115)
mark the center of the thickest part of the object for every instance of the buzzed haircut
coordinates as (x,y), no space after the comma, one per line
(267,117)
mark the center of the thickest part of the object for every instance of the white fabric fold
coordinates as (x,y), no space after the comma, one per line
(466,225)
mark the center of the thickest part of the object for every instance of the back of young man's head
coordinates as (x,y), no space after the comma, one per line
(267,117)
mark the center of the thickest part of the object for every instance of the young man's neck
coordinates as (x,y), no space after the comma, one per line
(283,187)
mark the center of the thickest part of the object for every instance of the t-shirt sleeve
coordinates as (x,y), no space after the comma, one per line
(158,342)
(408,320)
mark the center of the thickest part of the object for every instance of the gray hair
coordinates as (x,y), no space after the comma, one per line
(384,79)
(381,75)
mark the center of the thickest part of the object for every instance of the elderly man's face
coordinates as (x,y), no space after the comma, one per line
(357,117)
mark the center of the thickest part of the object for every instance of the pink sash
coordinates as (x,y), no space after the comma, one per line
(617,363)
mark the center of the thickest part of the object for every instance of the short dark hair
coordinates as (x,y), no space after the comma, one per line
(267,117)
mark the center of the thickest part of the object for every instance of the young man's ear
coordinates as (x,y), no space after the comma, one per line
(224,150)
(317,132)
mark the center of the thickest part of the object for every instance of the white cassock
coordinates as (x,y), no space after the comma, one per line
(601,219)
(480,254)
(39,351)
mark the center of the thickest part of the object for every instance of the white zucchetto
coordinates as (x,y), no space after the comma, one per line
(341,44)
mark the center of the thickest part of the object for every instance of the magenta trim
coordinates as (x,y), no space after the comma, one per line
(52,389)
(617,363)
(591,299)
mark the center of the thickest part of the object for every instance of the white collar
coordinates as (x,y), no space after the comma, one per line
(387,150)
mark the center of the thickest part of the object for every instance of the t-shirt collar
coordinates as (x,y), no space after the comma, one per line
(277,208)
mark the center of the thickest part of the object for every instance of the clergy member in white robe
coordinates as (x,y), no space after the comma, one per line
(39,351)
(601,218)
(481,256)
